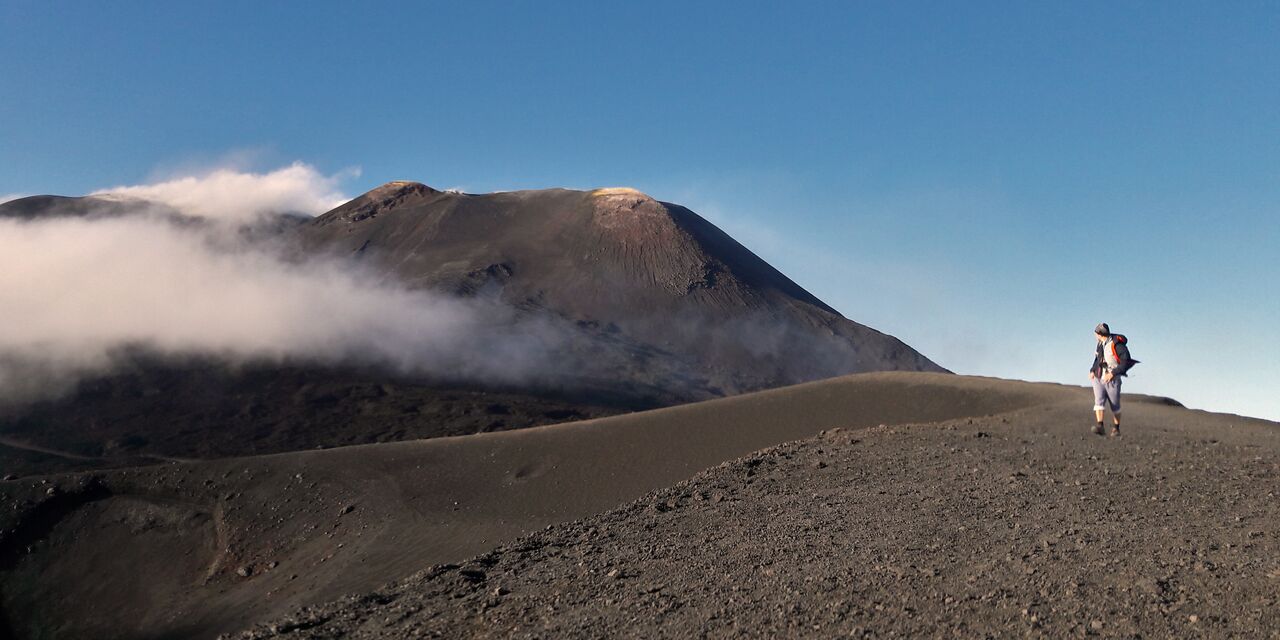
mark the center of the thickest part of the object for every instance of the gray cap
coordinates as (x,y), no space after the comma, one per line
(1102,329)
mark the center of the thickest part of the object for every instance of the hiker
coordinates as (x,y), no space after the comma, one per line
(1110,362)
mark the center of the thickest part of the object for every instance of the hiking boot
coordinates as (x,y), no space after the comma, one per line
(1097,429)
(1115,431)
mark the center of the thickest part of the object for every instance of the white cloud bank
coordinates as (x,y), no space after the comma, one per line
(77,293)
(227,194)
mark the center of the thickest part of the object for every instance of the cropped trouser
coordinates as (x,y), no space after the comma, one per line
(1106,394)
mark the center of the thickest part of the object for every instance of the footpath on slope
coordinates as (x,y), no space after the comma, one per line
(1022,523)
(193,550)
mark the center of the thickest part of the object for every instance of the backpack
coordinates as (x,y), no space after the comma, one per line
(1120,349)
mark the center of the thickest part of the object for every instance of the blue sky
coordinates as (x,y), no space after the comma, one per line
(986,181)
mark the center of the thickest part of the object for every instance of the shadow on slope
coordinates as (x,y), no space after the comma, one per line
(252,538)
(158,410)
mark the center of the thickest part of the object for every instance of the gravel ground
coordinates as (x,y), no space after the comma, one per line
(1018,524)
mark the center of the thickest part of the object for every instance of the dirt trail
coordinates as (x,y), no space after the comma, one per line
(873,528)
(136,458)
(307,527)
(1019,524)
(25,446)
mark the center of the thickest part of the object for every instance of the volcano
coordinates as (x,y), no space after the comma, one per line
(615,260)
(662,308)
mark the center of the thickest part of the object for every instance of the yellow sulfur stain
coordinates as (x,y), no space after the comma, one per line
(618,191)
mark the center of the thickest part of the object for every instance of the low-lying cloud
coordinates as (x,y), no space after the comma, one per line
(228,194)
(77,293)
(81,295)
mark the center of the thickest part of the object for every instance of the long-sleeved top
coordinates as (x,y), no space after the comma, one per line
(1112,355)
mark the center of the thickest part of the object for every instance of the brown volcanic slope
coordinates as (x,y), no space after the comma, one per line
(945,504)
(620,261)
(154,551)
(42,207)
(1017,524)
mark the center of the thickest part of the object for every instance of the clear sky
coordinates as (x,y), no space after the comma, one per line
(986,181)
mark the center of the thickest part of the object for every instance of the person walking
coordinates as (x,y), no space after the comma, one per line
(1110,361)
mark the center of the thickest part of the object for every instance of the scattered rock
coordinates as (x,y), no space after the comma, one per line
(474,575)
(778,563)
